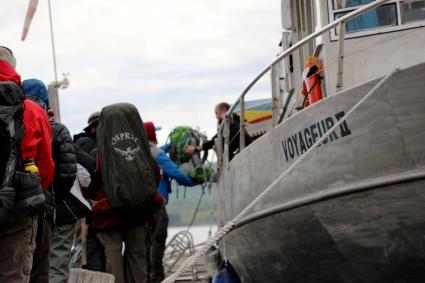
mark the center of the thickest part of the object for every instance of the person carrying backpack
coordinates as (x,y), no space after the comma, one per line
(220,111)
(158,231)
(63,153)
(126,194)
(26,169)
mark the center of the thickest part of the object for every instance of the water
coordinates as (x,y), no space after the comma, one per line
(200,233)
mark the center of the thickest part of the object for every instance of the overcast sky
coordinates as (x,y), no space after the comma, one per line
(173,59)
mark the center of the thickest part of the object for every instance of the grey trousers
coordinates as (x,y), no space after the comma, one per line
(40,261)
(17,245)
(158,238)
(130,266)
(60,253)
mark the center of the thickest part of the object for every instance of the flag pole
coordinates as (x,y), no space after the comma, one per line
(53,43)
(53,88)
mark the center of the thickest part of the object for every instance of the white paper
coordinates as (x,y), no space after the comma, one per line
(82,174)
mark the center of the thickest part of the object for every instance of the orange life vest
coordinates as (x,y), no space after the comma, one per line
(312,74)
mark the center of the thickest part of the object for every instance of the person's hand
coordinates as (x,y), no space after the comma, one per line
(92,202)
(103,206)
(189,149)
(197,181)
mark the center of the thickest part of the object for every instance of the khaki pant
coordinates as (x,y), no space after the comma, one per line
(130,266)
(17,245)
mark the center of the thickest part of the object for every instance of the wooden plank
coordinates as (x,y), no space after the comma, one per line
(77,275)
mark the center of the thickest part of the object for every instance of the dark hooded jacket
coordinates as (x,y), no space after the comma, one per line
(235,123)
(86,142)
(65,160)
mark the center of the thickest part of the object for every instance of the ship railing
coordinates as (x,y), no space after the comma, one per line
(224,129)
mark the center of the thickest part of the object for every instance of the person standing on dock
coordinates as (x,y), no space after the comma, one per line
(64,156)
(126,194)
(63,153)
(18,234)
(87,139)
(220,111)
(158,232)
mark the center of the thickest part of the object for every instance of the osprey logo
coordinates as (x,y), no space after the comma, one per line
(128,154)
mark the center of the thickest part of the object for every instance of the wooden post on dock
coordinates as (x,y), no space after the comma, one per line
(77,275)
(83,242)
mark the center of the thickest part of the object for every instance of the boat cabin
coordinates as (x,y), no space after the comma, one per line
(328,46)
(372,44)
(375,42)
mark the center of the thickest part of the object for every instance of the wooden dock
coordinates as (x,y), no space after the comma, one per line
(197,274)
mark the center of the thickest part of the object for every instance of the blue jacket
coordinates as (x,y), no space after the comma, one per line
(170,171)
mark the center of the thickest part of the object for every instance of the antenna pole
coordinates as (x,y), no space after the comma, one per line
(53,42)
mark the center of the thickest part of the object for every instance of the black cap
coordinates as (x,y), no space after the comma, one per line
(94,117)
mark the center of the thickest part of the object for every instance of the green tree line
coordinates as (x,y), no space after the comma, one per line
(183,201)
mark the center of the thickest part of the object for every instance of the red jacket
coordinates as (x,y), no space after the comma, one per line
(104,216)
(37,141)
(8,74)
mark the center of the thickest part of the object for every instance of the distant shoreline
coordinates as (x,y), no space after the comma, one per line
(194,226)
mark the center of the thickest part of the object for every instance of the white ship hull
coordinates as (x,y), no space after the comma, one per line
(354,211)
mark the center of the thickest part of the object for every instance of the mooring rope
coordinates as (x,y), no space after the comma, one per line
(273,186)
(195,213)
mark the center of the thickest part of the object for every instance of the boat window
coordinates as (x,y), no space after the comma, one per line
(341,4)
(393,16)
(413,11)
(380,17)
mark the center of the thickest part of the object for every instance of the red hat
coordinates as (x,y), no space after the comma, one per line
(150,130)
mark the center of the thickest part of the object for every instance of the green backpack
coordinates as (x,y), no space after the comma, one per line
(194,166)
(180,138)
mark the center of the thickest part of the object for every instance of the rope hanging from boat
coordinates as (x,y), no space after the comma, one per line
(273,186)
(195,213)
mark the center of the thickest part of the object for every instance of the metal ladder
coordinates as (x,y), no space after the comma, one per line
(176,248)
(179,248)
